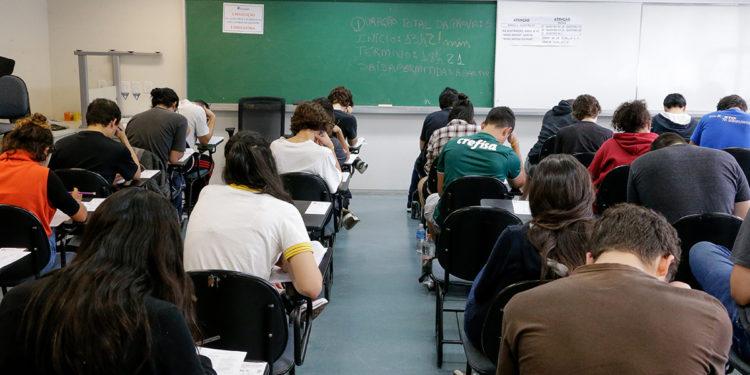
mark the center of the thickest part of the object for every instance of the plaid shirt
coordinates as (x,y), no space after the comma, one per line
(455,128)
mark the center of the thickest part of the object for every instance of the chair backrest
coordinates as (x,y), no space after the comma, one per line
(84,180)
(548,147)
(742,155)
(160,183)
(469,191)
(22,229)
(6,66)
(14,98)
(584,158)
(492,331)
(467,238)
(264,115)
(240,312)
(613,189)
(718,228)
(306,187)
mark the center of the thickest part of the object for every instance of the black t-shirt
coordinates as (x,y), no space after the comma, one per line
(432,122)
(94,151)
(681,180)
(583,136)
(173,351)
(59,197)
(347,123)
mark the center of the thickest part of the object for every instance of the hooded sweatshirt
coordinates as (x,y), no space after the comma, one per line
(556,118)
(680,123)
(622,149)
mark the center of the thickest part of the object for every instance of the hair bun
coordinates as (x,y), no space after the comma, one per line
(155,91)
(36,119)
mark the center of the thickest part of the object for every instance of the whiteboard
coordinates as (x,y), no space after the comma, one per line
(603,62)
(700,51)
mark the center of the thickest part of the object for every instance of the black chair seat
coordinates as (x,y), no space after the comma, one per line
(613,189)
(84,180)
(717,228)
(264,115)
(548,148)
(742,155)
(21,229)
(469,191)
(475,359)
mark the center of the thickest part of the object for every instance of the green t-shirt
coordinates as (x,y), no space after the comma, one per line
(478,154)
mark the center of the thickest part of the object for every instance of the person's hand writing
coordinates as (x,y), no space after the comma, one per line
(76,195)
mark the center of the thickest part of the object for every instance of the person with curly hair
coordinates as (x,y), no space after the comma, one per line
(343,105)
(633,121)
(26,182)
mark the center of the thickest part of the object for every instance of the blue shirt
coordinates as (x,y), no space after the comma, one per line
(723,129)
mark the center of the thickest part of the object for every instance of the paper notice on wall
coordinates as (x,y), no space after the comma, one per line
(541,31)
(243,18)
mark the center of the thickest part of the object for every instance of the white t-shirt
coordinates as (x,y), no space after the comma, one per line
(196,119)
(307,157)
(240,230)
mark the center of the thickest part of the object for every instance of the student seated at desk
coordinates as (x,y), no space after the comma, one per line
(343,104)
(675,118)
(124,305)
(27,183)
(617,314)
(480,154)
(633,122)
(584,135)
(201,121)
(728,127)
(552,245)
(677,179)
(340,144)
(94,149)
(250,224)
(163,132)
(309,149)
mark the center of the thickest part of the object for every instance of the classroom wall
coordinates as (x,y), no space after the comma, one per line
(101,25)
(24,37)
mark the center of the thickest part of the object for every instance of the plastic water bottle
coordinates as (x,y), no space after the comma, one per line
(429,247)
(421,237)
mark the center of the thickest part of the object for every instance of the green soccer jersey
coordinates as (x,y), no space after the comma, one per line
(476,155)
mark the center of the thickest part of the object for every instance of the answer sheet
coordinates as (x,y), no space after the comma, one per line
(10,255)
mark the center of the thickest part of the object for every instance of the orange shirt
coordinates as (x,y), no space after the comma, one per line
(23,183)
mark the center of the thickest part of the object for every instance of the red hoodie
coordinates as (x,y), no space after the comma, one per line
(622,149)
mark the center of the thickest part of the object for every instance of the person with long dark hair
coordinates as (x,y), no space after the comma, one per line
(250,224)
(551,245)
(26,182)
(123,306)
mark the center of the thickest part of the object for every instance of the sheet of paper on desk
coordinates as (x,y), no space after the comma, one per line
(279,276)
(93,204)
(58,219)
(224,362)
(351,159)
(148,173)
(253,368)
(9,255)
(188,153)
(521,208)
(317,208)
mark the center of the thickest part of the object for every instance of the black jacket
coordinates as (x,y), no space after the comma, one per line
(556,118)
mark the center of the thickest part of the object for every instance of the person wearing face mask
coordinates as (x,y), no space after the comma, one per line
(94,149)
(27,183)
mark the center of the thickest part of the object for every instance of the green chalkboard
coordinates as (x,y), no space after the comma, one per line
(399,53)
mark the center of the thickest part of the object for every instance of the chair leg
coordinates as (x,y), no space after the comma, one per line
(469,371)
(439,325)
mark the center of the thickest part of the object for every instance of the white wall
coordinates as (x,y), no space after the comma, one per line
(24,37)
(101,25)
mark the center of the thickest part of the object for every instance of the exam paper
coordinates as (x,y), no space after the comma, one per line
(10,255)
(318,208)
(521,208)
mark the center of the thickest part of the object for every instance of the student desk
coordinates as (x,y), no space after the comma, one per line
(314,214)
(346,177)
(518,208)
(210,147)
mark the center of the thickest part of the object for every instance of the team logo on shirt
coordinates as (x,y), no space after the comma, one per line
(477,144)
